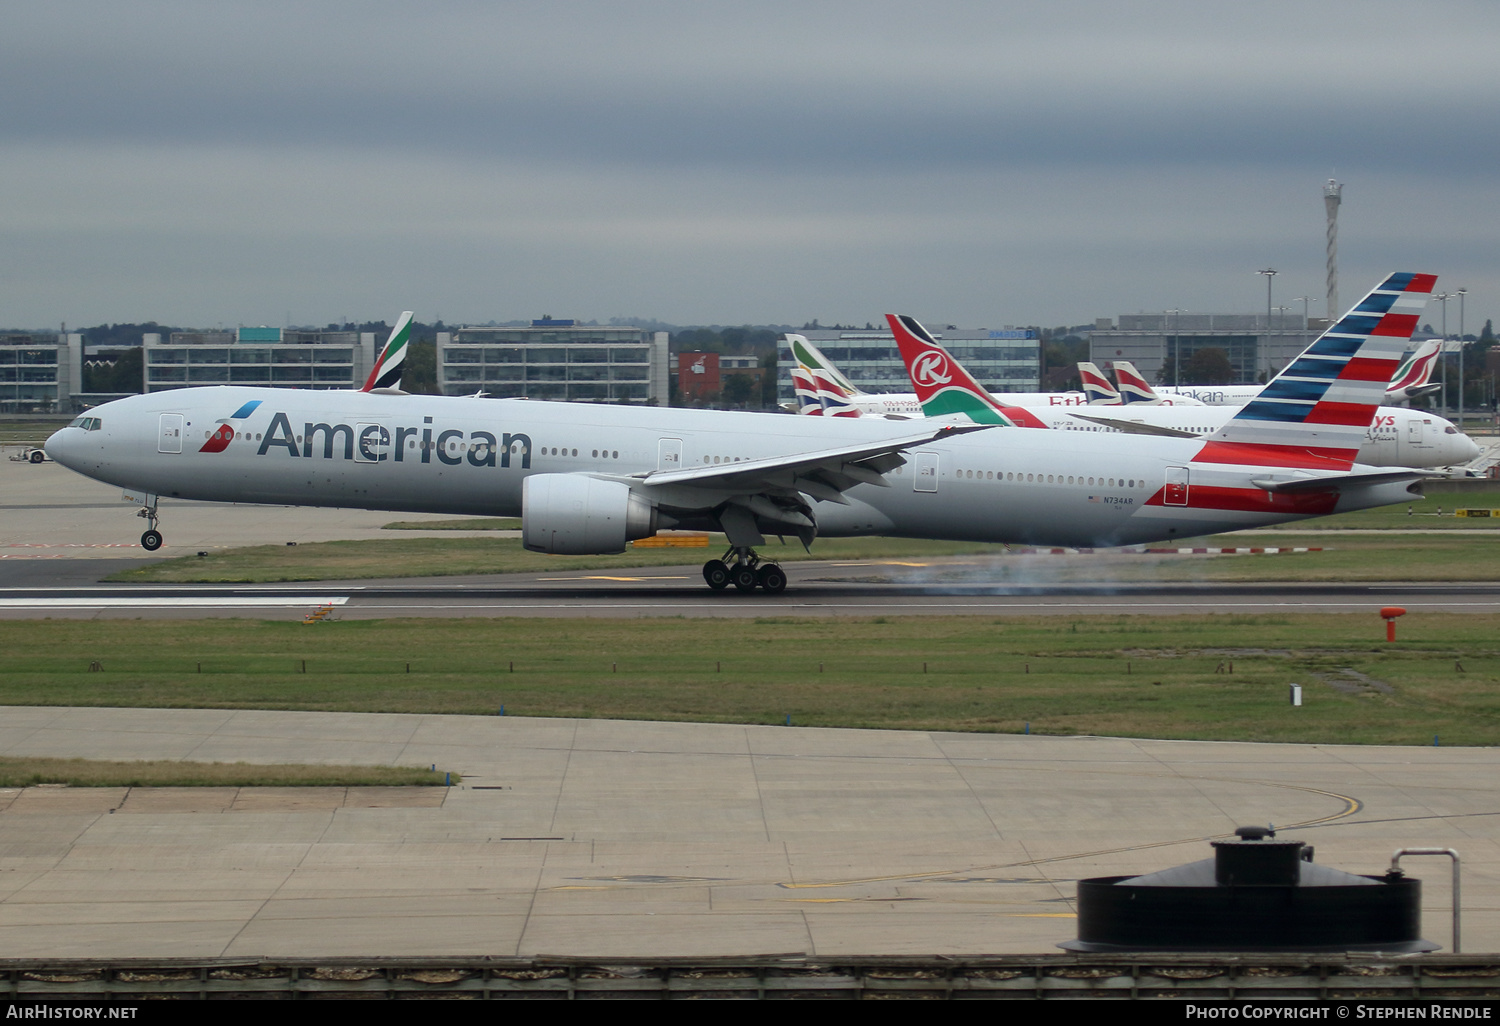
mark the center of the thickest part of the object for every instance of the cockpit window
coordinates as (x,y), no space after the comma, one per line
(87,423)
(1450,430)
(78,422)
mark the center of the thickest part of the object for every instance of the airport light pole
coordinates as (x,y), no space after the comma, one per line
(1269,272)
(1461,293)
(1443,297)
(1176,351)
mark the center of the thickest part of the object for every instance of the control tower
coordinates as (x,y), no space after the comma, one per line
(1332,196)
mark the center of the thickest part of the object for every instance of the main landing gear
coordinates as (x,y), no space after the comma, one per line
(151,539)
(742,568)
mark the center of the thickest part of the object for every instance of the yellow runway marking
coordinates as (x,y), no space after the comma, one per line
(621,578)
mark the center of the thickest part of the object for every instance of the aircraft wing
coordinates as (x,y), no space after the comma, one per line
(767,495)
(1334,482)
(857,464)
(1135,427)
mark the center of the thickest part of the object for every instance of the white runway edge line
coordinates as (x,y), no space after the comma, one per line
(185,601)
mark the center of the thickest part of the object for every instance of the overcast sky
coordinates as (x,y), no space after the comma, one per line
(979,164)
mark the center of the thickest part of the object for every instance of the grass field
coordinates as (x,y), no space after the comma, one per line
(1214,677)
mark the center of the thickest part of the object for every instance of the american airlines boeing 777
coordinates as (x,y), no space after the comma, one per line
(590,478)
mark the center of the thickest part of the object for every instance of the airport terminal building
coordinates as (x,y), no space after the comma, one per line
(40,373)
(555,359)
(1003,361)
(1161,344)
(282,357)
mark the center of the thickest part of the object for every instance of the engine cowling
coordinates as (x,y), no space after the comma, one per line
(578,515)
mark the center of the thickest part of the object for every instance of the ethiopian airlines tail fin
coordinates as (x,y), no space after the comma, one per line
(1314,414)
(943,387)
(1097,387)
(385,376)
(1412,380)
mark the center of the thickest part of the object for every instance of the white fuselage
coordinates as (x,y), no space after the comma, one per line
(469,457)
(1398,436)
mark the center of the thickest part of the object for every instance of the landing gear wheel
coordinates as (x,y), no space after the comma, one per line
(716,574)
(151,540)
(771,578)
(745,578)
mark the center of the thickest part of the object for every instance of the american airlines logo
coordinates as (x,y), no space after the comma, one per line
(931,369)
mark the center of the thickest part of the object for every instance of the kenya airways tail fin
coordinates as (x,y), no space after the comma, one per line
(1134,388)
(1097,387)
(1314,414)
(1412,380)
(943,387)
(385,376)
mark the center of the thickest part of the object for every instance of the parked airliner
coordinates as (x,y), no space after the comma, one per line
(590,478)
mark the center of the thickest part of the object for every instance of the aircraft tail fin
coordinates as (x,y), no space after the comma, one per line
(1412,379)
(809,356)
(1134,388)
(1097,387)
(385,376)
(1314,414)
(806,391)
(943,387)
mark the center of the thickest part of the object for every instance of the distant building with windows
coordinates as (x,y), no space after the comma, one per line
(40,373)
(555,359)
(1161,345)
(1008,360)
(280,357)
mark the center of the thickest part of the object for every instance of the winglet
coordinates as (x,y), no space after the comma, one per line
(943,387)
(385,376)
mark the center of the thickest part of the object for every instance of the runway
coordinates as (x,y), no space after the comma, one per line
(816,590)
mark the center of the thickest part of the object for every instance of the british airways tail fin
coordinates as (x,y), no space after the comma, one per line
(1096,386)
(806,391)
(1134,388)
(1315,413)
(943,387)
(385,376)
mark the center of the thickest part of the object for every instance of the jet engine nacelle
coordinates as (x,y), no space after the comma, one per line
(578,515)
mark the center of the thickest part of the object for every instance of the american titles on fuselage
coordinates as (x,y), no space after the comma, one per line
(375,443)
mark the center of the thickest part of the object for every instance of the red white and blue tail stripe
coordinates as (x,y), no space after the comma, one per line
(1315,413)
(808,403)
(1134,388)
(1097,387)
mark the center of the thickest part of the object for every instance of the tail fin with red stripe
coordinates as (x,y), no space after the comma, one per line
(1315,413)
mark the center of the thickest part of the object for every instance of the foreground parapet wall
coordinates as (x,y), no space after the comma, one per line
(1464,978)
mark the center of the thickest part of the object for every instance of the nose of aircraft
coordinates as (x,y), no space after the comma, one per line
(1468,448)
(62,445)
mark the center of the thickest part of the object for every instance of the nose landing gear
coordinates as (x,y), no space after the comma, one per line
(151,539)
(744,569)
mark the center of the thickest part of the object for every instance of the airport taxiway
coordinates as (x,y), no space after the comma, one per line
(596,838)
